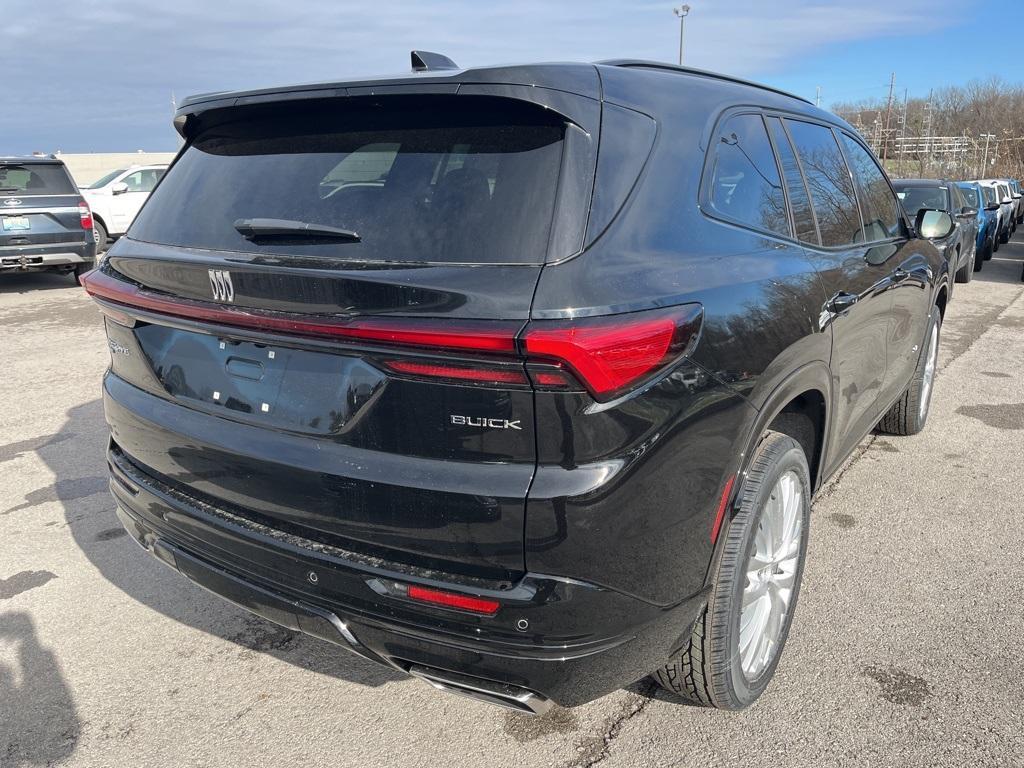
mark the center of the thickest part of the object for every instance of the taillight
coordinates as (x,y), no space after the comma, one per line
(612,354)
(85,215)
(470,373)
(607,355)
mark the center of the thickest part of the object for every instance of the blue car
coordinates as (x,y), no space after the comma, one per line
(987,217)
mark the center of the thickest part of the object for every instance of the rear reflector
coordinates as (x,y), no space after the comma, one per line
(453,600)
(723,503)
(614,353)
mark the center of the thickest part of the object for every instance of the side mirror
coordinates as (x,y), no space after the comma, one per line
(119,189)
(992,207)
(933,224)
(967,212)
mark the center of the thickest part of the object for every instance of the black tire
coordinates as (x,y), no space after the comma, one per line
(995,243)
(709,670)
(907,416)
(966,272)
(979,259)
(100,233)
(1004,237)
(81,269)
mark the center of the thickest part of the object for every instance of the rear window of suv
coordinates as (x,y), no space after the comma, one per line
(35,179)
(445,179)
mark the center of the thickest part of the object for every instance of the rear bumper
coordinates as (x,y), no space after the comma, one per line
(554,639)
(27,258)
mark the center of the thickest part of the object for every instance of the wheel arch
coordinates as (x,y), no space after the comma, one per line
(806,392)
(805,395)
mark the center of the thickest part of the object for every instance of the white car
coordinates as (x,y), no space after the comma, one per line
(1007,208)
(117,197)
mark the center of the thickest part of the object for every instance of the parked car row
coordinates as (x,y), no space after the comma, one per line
(986,213)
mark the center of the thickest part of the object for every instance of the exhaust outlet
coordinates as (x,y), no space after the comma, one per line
(498,694)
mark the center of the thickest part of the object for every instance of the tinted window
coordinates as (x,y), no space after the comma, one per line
(35,179)
(829,182)
(745,184)
(990,195)
(916,198)
(957,198)
(970,195)
(440,179)
(799,202)
(102,181)
(878,205)
(144,180)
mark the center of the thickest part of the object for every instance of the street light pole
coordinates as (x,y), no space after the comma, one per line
(681,12)
(984,157)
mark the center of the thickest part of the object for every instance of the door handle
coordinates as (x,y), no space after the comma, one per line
(842,301)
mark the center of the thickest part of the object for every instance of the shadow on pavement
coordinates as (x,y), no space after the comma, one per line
(24,282)
(1006,265)
(38,722)
(98,533)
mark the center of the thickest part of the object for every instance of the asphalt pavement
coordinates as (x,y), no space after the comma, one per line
(906,649)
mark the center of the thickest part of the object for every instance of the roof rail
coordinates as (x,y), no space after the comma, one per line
(643,64)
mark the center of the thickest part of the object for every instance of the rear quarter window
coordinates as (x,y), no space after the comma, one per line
(745,185)
(439,179)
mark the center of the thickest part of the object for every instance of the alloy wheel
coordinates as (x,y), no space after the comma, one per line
(771,576)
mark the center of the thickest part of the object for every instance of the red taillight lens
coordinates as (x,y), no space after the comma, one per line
(85,215)
(489,336)
(611,354)
(477,374)
(453,600)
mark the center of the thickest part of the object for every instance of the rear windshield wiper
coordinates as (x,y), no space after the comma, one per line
(9,189)
(260,229)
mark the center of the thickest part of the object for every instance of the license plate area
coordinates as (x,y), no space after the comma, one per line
(314,393)
(16,224)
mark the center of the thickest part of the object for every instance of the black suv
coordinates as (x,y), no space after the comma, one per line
(45,224)
(518,379)
(960,245)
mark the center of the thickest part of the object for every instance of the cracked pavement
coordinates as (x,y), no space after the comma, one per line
(905,649)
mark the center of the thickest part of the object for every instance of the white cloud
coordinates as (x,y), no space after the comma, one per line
(78,63)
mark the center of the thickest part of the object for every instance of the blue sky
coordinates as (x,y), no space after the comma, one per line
(98,75)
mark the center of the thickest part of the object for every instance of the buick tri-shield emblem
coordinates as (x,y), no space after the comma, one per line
(220,284)
(12,201)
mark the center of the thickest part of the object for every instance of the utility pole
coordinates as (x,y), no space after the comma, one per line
(888,113)
(927,132)
(901,142)
(817,97)
(681,12)
(984,158)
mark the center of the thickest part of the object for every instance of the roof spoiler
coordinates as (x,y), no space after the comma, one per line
(426,61)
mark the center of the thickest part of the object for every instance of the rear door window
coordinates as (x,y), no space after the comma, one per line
(745,183)
(879,207)
(799,200)
(829,182)
(35,179)
(458,179)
